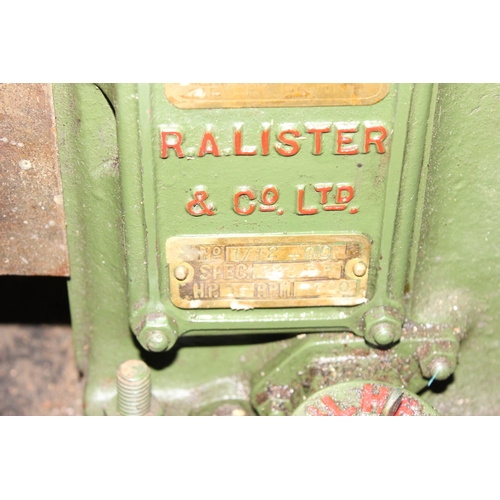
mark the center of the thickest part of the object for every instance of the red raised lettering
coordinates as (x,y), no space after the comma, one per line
(368,399)
(323,189)
(335,410)
(251,207)
(334,208)
(301,209)
(166,144)
(346,128)
(315,412)
(288,142)
(240,150)
(341,188)
(197,205)
(345,194)
(377,140)
(408,407)
(314,129)
(265,138)
(208,145)
(269,198)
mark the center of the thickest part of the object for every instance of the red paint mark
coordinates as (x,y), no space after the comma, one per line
(342,139)
(264,139)
(270,195)
(199,201)
(244,211)
(269,198)
(315,412)
(270,190)
(281,211)
(166,145)
(335,410)
(334,207)
(317,138)
(323,189)
(240,150)
(341,198)
(408,407)
(353,210)
(377,140)
(368,398)
(289,142)
(208,145)
(301,210)
(341,188)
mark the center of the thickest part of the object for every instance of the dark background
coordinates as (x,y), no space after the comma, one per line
(38,373)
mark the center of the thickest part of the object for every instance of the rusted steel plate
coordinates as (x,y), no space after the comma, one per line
(269,95)
(244,272)
(32,223)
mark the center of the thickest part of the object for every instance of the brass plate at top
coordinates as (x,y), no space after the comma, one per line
(247,272)
(273,95)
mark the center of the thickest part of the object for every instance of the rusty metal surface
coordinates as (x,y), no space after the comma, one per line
(32,223)
(269,95)
(244,272)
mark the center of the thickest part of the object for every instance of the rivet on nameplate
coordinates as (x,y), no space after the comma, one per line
(359,269)
(181,273)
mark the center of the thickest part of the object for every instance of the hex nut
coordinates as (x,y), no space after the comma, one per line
(438,359)
(382,327)
(156,340)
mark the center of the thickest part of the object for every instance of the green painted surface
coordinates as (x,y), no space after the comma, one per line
(458,268)
(437,244)
(156,191)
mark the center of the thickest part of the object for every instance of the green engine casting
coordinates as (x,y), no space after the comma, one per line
(245,249)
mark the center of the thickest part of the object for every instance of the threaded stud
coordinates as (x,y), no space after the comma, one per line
(134,388)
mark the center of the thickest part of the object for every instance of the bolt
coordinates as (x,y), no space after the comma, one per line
(181,273)
(156,332)
(441,368)
(359,269)
(382,326)
(384,333)
(134,388)
(438,359)
(154,340)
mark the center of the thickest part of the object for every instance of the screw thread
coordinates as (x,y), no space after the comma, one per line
(134,388)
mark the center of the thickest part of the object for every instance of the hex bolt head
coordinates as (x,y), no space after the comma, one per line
(383,327)
(384,333)
(157,332)
(181,273)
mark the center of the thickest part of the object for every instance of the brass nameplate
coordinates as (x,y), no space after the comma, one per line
(272,95)
(247,272)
